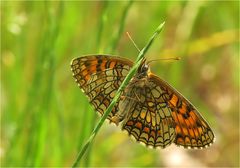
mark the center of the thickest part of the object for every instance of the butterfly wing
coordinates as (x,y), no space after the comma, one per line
(160,116)
(149,119)
(191,130)
(99,77)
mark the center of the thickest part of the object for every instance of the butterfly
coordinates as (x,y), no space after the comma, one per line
(149,109)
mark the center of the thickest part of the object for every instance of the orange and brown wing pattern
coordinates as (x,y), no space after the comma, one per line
(159,115)
(149,121)
(191,130)
(152,111)
(99,77)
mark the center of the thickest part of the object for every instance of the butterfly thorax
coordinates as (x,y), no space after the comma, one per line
(130,96)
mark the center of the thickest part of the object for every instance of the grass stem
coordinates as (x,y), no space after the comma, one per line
(118,93)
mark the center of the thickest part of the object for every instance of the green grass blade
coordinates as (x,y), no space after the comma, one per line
(42,130)
(145,49)
(121,27)
(101,26)
(87,126)
(116,97)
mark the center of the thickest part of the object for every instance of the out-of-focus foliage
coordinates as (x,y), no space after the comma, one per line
(45,118)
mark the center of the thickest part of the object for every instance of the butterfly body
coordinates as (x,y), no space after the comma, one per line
(129,96)
(149,109)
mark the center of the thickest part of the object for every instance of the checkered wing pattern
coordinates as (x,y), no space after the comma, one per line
(160,115)
(99,77)
(149,120)
(191,129)
(150,110)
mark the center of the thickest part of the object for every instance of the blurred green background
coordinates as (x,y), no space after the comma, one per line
(45,118)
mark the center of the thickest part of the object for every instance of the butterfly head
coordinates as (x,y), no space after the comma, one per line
(143,69)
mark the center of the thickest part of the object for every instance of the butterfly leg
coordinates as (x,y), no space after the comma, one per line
(127,97)
(137,97)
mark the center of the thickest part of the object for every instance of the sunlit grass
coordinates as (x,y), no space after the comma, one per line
(46,119)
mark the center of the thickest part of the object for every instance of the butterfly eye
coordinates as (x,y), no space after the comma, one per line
(143,69)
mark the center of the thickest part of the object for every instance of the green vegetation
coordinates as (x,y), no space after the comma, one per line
(46,119)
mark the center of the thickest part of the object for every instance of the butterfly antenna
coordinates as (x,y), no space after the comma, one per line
(165,59)
(133,41)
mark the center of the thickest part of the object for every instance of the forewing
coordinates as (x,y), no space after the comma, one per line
(99,77)
(192,131)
